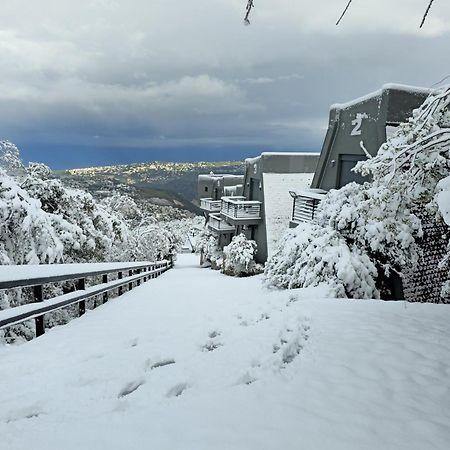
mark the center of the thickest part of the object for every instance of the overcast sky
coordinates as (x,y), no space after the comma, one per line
(99,81)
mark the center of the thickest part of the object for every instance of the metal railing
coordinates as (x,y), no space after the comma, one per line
(305,205)
(208,204)
(239,208)
(32,276)
(216,223)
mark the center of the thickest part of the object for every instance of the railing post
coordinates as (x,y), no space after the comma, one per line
(81,286)
(138,281)
(130,285)
(104,281)
(39,321)
(119,290)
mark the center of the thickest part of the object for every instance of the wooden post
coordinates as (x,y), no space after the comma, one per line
(130,285)
(39,321)
(105,294)
(120,290)
(138,281)
(81,286)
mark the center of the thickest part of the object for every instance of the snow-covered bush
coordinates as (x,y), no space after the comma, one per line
(239,257)
(374,218)
(310,255)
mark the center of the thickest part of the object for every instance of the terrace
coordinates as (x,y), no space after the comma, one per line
(209,205)
(219,225)
(239,211)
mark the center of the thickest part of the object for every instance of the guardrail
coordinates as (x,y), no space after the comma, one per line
(33,276)
(216,223)
(239,208)
(210,205)
(305,205)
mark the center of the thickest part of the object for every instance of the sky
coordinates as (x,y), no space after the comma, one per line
(113,81)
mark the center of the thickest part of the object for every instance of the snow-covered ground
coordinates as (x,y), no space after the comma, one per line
(196,360)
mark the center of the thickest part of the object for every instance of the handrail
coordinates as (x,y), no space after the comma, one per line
(37,309)
(67,272)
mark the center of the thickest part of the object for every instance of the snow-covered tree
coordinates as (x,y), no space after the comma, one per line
(207,246)
(27,235)
(87,228)
(10,160)
(239,257)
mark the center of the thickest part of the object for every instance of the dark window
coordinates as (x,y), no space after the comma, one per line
(206,188)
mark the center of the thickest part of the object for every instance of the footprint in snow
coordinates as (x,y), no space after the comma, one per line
(130,388)
(30,412)
(210,346)
(162,363)
(213,334)
(177,390)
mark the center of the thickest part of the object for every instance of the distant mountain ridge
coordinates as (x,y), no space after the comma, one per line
(171,184)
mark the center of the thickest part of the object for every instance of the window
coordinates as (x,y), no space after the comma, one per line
(206,188)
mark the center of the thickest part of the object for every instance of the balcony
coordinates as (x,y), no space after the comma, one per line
(209,205)
(238,211)
(219,225)
(305,206)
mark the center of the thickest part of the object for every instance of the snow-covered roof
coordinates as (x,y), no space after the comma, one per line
(379,92)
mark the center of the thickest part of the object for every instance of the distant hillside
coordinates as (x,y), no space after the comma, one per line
(170,184)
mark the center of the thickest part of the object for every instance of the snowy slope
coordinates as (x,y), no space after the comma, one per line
(195,360)
(278,202)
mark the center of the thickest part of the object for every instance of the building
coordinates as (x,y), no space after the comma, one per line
(263,208)
(359,128)
(355,128)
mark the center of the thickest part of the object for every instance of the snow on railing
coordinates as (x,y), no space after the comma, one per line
(239,208)
(38,275)
(208,204)
(305,205)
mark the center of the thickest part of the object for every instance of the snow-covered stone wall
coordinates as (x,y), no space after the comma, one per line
(424,283)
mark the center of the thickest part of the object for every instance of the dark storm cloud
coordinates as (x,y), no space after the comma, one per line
(94,76)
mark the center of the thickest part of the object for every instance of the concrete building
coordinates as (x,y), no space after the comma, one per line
(354,128)
(263,209)
(361,126)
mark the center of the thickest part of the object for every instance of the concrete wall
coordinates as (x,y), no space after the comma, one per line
(362,120)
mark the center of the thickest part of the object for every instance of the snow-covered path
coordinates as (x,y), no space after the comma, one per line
(196,360)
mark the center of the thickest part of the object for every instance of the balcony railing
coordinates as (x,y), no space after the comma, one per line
(305,205)
(216,223)
(210,205)
(237,208)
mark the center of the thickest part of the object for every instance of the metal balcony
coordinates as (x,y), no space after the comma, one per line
(209,205)
(219,225)
(305,206)
(238,211)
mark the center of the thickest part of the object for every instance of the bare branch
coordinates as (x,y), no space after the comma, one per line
(426,13)
(248,8)
(343,13)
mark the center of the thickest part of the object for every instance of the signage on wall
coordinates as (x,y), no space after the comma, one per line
(357,123)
